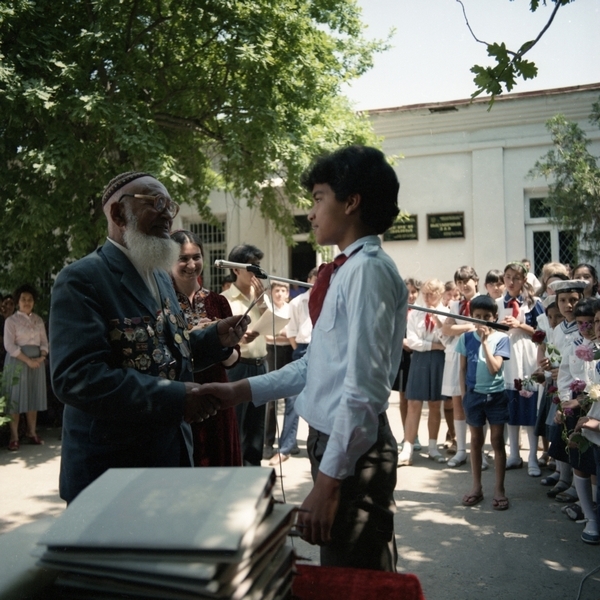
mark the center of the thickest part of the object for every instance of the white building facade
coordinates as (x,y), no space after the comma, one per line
(464,176)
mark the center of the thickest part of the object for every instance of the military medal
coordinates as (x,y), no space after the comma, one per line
(141,335)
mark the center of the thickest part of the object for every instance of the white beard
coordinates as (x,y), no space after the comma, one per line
(149,252)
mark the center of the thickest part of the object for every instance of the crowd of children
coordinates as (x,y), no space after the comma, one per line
(541,375)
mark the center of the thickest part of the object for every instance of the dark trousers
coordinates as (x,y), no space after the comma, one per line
(250,418)
(363,529)
(284,356)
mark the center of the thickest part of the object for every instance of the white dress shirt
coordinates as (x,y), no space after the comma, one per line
(344,379)
(300,325)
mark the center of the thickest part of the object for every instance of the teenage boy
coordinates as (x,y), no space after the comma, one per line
(483,353)
(358,307)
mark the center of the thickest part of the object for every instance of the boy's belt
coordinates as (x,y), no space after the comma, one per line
(256,362)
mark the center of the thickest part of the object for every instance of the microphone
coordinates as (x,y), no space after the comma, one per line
(225,264)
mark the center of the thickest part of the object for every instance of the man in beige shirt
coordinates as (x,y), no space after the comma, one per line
(253,359)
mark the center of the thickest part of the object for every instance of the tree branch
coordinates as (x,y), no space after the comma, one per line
(469,25)
(524,49)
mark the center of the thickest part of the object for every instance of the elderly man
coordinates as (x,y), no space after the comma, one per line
(121,356)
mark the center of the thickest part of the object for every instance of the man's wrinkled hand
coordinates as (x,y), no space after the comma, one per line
(198,406)
(232,329)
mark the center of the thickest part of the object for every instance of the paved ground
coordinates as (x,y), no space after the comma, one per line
(530,551)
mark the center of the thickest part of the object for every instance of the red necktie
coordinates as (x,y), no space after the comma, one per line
(465,308)
(319,290)
(429,323)
(515,307)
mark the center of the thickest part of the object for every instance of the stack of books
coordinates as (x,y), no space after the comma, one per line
(173,534)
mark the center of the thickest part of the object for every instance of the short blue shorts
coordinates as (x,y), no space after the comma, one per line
(481,407)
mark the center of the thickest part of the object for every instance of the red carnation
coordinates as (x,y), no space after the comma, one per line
(518,385)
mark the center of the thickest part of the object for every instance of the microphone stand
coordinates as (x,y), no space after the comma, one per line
(262,275)
(492,324)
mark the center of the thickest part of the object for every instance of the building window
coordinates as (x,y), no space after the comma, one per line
(545,241)
(214,241)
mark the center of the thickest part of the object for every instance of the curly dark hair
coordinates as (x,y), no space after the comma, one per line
(359,170)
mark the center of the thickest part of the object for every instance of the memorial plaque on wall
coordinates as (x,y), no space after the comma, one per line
(404,228)
(446,225)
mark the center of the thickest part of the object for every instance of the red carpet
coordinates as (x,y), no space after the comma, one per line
(326,583)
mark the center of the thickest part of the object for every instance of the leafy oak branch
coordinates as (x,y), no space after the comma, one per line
(206,94)
(509,64)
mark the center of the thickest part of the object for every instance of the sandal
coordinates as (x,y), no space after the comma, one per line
(543,460)
(561,486)
(514,465)
(500,503)
(574,512)
(566,497)
(438,458)
(472,499)
(453,463)
(35,439)
(550,480)
(13,446)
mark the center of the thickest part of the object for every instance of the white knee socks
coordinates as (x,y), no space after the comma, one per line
(533,441)
(460,429)
(584,491)
(513,437)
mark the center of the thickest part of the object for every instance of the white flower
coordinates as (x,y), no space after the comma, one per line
(593,391)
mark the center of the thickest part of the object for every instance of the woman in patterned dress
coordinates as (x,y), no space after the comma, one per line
(216,440)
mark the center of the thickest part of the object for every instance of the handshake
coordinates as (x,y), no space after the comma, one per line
(203,401)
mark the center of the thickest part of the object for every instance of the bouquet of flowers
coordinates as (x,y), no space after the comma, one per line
(586,394)
(539,337)
(528,386)
(587,353)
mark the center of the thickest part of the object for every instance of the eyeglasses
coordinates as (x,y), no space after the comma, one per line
(161,203)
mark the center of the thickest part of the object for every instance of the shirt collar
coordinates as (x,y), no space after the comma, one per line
(508,298)
(368,239)
(236,292)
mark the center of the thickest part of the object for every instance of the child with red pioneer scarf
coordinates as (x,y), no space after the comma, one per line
(467,281)
(519,308)
(424,337)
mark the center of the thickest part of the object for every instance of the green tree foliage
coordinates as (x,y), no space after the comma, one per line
(574,175)
(206,94)
(509,64)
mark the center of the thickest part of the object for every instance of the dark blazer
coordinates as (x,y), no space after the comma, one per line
(118,362)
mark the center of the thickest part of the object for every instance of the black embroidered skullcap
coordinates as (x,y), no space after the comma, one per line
(119,181)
